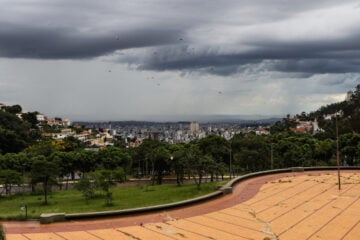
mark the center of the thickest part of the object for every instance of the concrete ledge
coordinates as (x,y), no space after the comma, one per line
(143,209)
(226,190)
(46,218)
(297,169)
(283,170)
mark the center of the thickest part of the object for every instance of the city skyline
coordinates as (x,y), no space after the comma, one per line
(162,60)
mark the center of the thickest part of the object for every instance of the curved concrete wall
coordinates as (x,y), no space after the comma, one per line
(227,188)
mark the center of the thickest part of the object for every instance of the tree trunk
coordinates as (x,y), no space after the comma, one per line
(46,191)
(159,178)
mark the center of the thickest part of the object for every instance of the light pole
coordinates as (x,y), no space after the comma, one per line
(337,150)
(230,167)
(171,160)
(272,156)
(25,208)
(175,169)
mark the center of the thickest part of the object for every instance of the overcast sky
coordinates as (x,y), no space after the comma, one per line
(174,59)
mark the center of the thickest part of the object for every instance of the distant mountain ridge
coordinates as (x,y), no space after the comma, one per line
(241,119)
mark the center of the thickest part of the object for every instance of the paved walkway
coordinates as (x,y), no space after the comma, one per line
(282,206)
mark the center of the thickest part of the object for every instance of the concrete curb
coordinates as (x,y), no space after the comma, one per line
(225,189)
(236,180)
(143,209)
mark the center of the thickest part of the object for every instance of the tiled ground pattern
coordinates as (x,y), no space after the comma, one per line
(307,206)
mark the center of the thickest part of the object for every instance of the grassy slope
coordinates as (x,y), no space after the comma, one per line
(71,201)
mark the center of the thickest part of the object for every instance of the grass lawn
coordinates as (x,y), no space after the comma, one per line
(72,201)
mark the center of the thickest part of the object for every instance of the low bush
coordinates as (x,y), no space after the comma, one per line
(2,234)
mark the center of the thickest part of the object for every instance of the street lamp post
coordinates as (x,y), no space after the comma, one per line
(176,171)
(25,208)
(230,167)
(272,156)
(337,151)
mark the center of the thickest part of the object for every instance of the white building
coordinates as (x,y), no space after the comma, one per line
(41,117)
(194,127)
(348,96)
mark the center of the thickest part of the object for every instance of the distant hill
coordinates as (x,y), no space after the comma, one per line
(349,112)
(239,119)
(348,115)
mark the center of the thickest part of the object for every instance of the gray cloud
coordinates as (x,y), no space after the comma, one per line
(65,43)
(131,59)
(186,35)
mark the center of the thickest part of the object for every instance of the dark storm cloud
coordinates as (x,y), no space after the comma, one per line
(65,43)
(295,61)
(221,38)
(325,56)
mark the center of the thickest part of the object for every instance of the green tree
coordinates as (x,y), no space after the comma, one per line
(144,153)
(10,141)
(14,109)
(44,172)
(15,134)
(67,165)
(100,180)
(105,180)
(178,163)
(251,152)
(159,158)
(15,161)
(86,161)
(283,126)
(9,178)
(87,185)
(324,150)
(43,147)
(72,144)
(31,118)
(215,146)
(197,165)
(348,147)
(113,157)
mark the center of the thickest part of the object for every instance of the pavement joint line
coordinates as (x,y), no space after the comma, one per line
(350,230)
(25,236)
(274,205)
(57,234)
(221,230)
(186,230)
(287,176)
(302,203)
(94,235)
(334,217)
(159,232)
(237,225)
(324,205)
(282,190)
(128,234)
(247,219)
(335,214)
(292,196)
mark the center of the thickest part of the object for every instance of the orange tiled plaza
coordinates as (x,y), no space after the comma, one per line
(287,206)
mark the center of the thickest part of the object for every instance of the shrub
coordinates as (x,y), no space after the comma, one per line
(2,234)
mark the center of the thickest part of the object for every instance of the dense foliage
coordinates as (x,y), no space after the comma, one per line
(15,134)
(46,162)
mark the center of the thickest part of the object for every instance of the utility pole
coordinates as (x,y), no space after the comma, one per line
(337,150)
(272,156)
(230,164)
